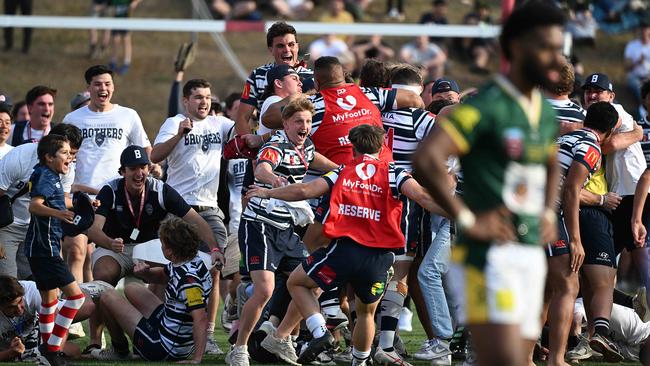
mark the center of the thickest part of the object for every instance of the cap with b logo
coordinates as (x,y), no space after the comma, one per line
(134,155)
(598,80)
(84,215)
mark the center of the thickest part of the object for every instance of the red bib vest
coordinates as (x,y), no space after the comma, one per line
(345,107)
(363,208)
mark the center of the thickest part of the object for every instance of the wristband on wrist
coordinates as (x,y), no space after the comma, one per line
(602,200)
(465,219)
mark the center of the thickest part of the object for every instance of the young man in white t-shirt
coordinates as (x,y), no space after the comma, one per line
(5,129)
(40,103)
(107,129)
(192,143)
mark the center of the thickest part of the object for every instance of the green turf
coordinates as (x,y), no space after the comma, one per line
(412,341)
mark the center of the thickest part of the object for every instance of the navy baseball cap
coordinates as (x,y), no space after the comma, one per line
(598,80)
(84,215)
(79,99)
(278,72)
(134,155)
(444,85)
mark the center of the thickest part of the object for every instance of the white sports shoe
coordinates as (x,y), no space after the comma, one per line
(211,347)
(238,356)
(441,361)
(389,358)
(75,331)
(432,349)
(109,354)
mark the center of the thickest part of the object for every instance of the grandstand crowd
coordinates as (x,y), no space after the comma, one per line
(320,206)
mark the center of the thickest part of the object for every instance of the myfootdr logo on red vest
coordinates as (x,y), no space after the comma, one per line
(345,107)
(362,207)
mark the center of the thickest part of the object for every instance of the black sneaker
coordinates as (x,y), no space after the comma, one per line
(605,346)
(315,347)
(54,358)
(89,349)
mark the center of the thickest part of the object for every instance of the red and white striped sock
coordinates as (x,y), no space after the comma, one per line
(46,319)
(63,320)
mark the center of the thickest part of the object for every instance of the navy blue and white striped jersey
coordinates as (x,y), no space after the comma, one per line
(256,83)
(581,146)
(188,289)
(408,126)
(567,111)
(44,233)
(286,161)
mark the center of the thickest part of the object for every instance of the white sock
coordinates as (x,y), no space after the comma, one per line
(360,355)
(316,325)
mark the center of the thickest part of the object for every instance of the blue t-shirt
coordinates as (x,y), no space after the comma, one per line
(44,233)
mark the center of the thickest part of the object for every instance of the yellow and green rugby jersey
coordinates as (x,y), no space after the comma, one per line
(505,140)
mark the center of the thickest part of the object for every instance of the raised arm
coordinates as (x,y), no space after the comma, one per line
(291,192)
(622,140)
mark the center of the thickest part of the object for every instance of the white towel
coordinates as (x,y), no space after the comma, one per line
(300,211)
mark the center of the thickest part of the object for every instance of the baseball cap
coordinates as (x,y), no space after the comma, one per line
(79,99)
(84,215)
(278,72)
(134,155)
(444,85)
(598,80)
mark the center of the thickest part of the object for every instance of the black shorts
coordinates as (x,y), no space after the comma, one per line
(345,261)
(597,238)
(561,245)
(264,247)
(146,338)
(50,272)
(621,220)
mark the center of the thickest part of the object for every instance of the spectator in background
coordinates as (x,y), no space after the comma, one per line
(99,8)
(357,8)
(478,50)
(235,10)
(122,9)
(11,7)
(637,61)
(437,15)
(373,48)
(582,24)
(327,45)
(19,112)
(336,13)
(395,9)
(292,9)
(40,102)
(80,100)
(426,55)
(5,128)
(374,74)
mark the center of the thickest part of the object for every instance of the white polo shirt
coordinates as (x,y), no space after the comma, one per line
(624,167)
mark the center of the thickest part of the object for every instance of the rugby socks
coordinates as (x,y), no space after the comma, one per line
(46,316)
(63,320)
(358,357)
(316,325)
(391,307)
(601,326)
(329,302)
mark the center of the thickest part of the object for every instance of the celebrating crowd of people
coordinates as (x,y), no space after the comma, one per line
(318,208)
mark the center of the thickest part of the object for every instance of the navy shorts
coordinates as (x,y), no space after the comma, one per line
(344,261)
(596,234)
(621,221)
(146,338)
(561,245)
(265,247)
(50,272)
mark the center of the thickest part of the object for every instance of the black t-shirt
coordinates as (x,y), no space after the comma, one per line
(160,199)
